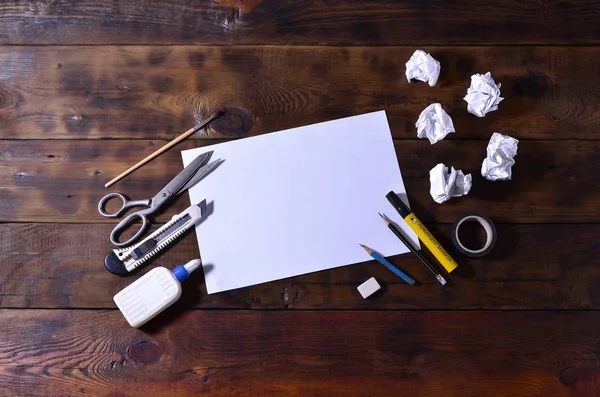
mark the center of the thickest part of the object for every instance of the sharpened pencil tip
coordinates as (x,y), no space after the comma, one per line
(369,250)
(385,218)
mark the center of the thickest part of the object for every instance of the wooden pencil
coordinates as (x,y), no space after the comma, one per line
(432,269)
(381,259)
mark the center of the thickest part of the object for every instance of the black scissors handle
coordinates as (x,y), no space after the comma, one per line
(125,204)
(126,223)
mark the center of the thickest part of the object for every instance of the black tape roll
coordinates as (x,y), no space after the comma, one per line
(490,231)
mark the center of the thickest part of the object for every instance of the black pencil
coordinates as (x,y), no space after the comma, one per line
(432,269)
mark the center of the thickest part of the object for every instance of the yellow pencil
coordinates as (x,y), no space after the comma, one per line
(424,235)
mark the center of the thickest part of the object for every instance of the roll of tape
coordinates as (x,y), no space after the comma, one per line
(490,231)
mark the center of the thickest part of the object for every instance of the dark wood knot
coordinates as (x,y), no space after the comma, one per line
(569,376)
(144,352)
(534,84)
(233,123)
(10,98)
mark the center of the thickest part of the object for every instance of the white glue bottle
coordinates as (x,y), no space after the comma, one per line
(153,293)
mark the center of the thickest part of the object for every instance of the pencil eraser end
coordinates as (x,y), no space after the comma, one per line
(369,287)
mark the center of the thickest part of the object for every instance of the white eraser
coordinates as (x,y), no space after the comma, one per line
(369,287)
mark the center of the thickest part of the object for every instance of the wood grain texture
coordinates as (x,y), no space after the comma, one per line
(55,266)
(87,88)
(367,22)
(62,181)
(230,353)
(160,92)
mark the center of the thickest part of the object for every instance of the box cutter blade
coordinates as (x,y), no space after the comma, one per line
(121,261)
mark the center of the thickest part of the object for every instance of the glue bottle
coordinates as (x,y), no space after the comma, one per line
(153,293)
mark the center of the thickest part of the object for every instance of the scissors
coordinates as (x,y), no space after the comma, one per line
(187,178)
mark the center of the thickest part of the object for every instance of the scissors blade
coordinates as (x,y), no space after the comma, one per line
(177,184)
(202,172)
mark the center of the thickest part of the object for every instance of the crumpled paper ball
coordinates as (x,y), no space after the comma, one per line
(422,66)
(501,151)
(483,96)
(434,123)
(446,185)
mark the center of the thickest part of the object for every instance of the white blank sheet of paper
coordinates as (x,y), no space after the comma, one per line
(298,201)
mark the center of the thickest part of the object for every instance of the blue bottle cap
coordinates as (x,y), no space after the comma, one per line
(181,273)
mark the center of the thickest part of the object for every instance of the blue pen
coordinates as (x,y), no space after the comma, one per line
(377,256)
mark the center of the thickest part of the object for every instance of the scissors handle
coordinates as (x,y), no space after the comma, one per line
(125,204)
(125,223)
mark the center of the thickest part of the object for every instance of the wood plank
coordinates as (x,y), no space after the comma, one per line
(157,92)
(53,266)
(230,353)
(62,181)
(370,22)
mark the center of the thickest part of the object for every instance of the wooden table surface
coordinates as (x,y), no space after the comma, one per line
(87,88)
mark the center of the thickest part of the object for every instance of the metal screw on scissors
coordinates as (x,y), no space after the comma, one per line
(187,178)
